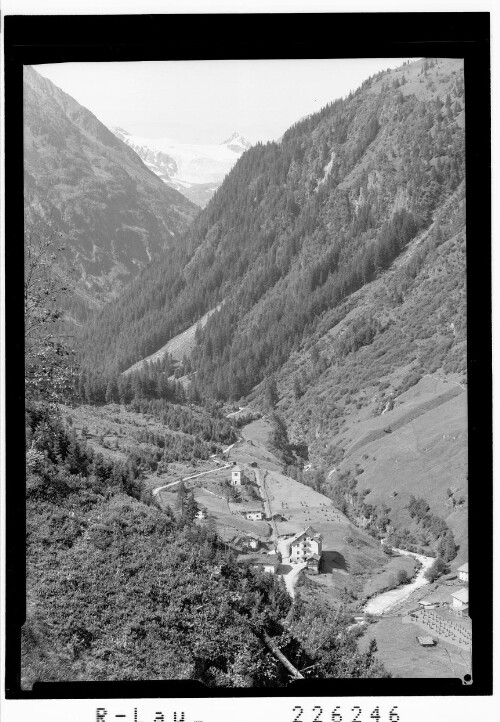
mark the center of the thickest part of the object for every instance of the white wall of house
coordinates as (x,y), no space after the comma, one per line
(463,576)
(303,547)
(236,478)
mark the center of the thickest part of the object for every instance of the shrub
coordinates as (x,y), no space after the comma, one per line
(436,570)
(402,577)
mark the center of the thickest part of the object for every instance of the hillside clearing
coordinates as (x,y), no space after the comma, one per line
(178,347)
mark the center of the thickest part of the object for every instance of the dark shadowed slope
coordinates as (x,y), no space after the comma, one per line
(113,214)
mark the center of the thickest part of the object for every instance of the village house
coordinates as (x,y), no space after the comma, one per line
(463,572)
(460,602)
(304,545)
(201,514)
(253,514)
(265,562)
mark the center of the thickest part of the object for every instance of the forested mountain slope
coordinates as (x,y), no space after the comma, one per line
(92,194)
(294,231)
(194,170)
(378,392)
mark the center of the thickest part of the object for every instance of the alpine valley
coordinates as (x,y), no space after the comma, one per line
(194,170)
(284,367)
(92,194)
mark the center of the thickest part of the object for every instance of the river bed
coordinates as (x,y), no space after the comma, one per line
(382,603)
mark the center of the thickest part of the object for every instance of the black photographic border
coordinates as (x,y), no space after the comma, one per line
(49,39)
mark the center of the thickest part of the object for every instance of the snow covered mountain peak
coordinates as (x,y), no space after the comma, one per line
(196,170)
(237,143)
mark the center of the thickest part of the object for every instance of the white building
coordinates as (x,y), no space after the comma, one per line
(304,545)
(463,572)
(253,514)
(460,601)
(265,562)
(237,476)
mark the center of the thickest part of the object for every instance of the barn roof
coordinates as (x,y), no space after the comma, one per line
(426,641)
(437,596)
(307,532)
(462,595)
(245,506)
(464,567)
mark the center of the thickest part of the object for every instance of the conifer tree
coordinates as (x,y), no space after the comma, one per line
(271,393)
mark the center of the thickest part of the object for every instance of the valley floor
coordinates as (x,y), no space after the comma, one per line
(352,561)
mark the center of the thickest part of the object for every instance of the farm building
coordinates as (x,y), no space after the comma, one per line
(201,514)
(426,641)
(460,602)
(253,514)
(463,572)
(440,597)
(304,544)
(265,562)
(313,563)
(427,604)
(246,542)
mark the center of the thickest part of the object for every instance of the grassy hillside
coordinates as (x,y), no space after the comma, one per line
(178,348)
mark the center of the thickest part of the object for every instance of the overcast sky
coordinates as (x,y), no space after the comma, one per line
(206,101)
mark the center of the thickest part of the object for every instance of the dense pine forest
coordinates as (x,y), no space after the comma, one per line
(296,228)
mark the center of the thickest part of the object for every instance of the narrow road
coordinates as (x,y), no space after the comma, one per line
(382,603)
(260,477)
(234,413)
(187,478)
(281,545)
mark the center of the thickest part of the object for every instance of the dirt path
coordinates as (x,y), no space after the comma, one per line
(260,477)
(187,478)
(382,603)
(235,413)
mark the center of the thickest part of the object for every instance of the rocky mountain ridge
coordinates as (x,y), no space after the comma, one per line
(93,195)
(195,170)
